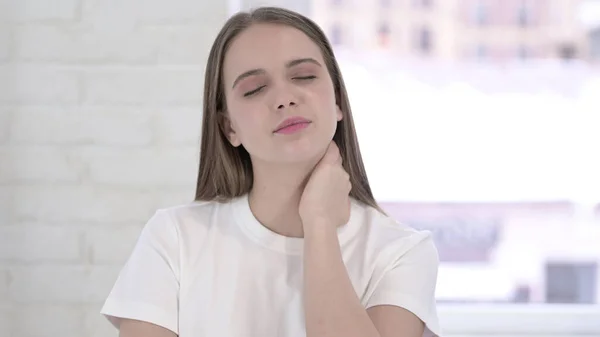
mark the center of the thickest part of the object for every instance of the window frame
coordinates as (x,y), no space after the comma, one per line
(520,319)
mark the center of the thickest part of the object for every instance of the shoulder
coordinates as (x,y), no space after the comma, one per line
(178,222)
(191,209)
(192,213)
(392,240)
(404,267)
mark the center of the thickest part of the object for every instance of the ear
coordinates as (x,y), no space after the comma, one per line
(228,129)
(339,113)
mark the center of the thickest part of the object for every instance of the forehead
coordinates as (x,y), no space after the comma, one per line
(267,46)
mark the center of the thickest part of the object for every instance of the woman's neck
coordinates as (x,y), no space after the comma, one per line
(276,194)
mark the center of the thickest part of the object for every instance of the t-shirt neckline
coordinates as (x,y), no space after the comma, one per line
(262,235)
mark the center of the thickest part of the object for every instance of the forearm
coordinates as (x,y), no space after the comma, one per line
(332,307)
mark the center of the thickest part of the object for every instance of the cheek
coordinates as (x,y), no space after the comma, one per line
(329,103)
(246,121)
(326,94)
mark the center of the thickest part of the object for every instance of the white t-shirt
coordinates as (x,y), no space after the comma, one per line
(209,269)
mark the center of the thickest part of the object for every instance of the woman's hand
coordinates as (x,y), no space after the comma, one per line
(325,200)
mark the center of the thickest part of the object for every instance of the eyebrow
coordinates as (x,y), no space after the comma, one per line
(262,71)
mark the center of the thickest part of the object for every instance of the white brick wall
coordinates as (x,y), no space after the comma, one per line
(99,125)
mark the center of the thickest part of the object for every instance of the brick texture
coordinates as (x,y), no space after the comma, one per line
(38,11)
(4,42)
(100,113)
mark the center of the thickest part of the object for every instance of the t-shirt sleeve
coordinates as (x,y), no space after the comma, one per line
(147,287)
(409,281)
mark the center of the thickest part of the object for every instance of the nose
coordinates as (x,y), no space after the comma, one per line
(285,98)
(286,104)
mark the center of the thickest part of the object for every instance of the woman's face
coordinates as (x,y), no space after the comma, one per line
(275,75)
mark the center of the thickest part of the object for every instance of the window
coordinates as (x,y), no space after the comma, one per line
(522,53)
(524,14)
(481,52)
(571,282)
(594,38)
(424,43)
(480,13)
(567,52)
(422,3)
(383,34)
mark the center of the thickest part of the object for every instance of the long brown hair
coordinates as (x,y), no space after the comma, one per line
(226,171)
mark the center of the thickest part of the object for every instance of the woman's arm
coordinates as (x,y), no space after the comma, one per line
(332,306)
(134,328)
(147,288)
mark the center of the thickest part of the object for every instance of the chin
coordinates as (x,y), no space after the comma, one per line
(303,148)
(298,159)
(306,151)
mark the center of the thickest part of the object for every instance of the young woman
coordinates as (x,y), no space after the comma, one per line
(284,237)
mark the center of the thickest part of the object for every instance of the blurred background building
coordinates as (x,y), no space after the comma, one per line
(460,30)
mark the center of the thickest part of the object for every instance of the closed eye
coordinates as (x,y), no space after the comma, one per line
(252,92)
(312,77)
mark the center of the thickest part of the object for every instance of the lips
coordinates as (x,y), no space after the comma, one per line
(290,122)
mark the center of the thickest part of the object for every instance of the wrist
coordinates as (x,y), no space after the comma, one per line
(319,228)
